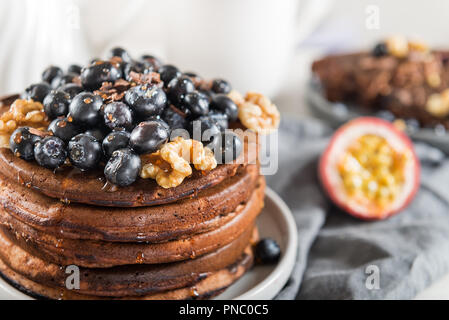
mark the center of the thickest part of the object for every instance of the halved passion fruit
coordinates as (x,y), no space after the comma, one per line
(370,169)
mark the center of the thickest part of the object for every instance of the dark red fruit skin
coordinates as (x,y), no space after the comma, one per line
(324,160)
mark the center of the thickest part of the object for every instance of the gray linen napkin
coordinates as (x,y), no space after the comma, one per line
(338,255)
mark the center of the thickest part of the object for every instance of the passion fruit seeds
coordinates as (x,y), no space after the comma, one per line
(371,169)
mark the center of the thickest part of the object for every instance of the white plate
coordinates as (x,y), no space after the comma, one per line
(261,282)
(265,282)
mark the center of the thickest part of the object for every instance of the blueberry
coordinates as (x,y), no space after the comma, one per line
(56,104)
(194,77)
(148,137)
(184,111)
(72,89)
(178,88)
(51,73)
(121,53)
(413,125)
(197,103)
(224,104)
(126,69)
(101,71)
(439,129)
(146,100)
(209,94)
(118,115)
(206,130)
(220,119)
(230,148)
(380,50)
(37,91)
(221,86)
(135,66)
(123,167)
(267,251)
(85,109)
(22,143)
(84,151)
(148,64)
(94,61)
(386,115)
(152,61)
(191,74)
(63,128)
(64,79)
(74,68)
(50,152)
(175,118)
(145,66)
(98,133)
(114,141)
(158,119)
(168,73)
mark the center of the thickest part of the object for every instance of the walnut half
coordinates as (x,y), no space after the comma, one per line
(256,111)
(438,104)
(170,165)
(21,113)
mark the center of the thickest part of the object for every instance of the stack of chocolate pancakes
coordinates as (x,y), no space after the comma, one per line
(137,242)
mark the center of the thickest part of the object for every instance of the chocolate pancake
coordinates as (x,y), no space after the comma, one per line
(136,242)
(101,254)
(70,184)
(207,211)
(6,101)
(212,285)
(130,280)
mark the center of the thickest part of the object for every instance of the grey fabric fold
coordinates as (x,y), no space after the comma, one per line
(340,257)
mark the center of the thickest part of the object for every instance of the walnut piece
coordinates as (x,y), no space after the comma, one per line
(20,114)
(170,165)
(438,104)
(400,124)
(256,112)
(433,68)
(417,45)
(397,46)
(433,80)
(237,97)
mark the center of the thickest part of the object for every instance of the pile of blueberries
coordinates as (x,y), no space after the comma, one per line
(90,131)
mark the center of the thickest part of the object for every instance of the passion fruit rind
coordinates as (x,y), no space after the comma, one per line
(370,169)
